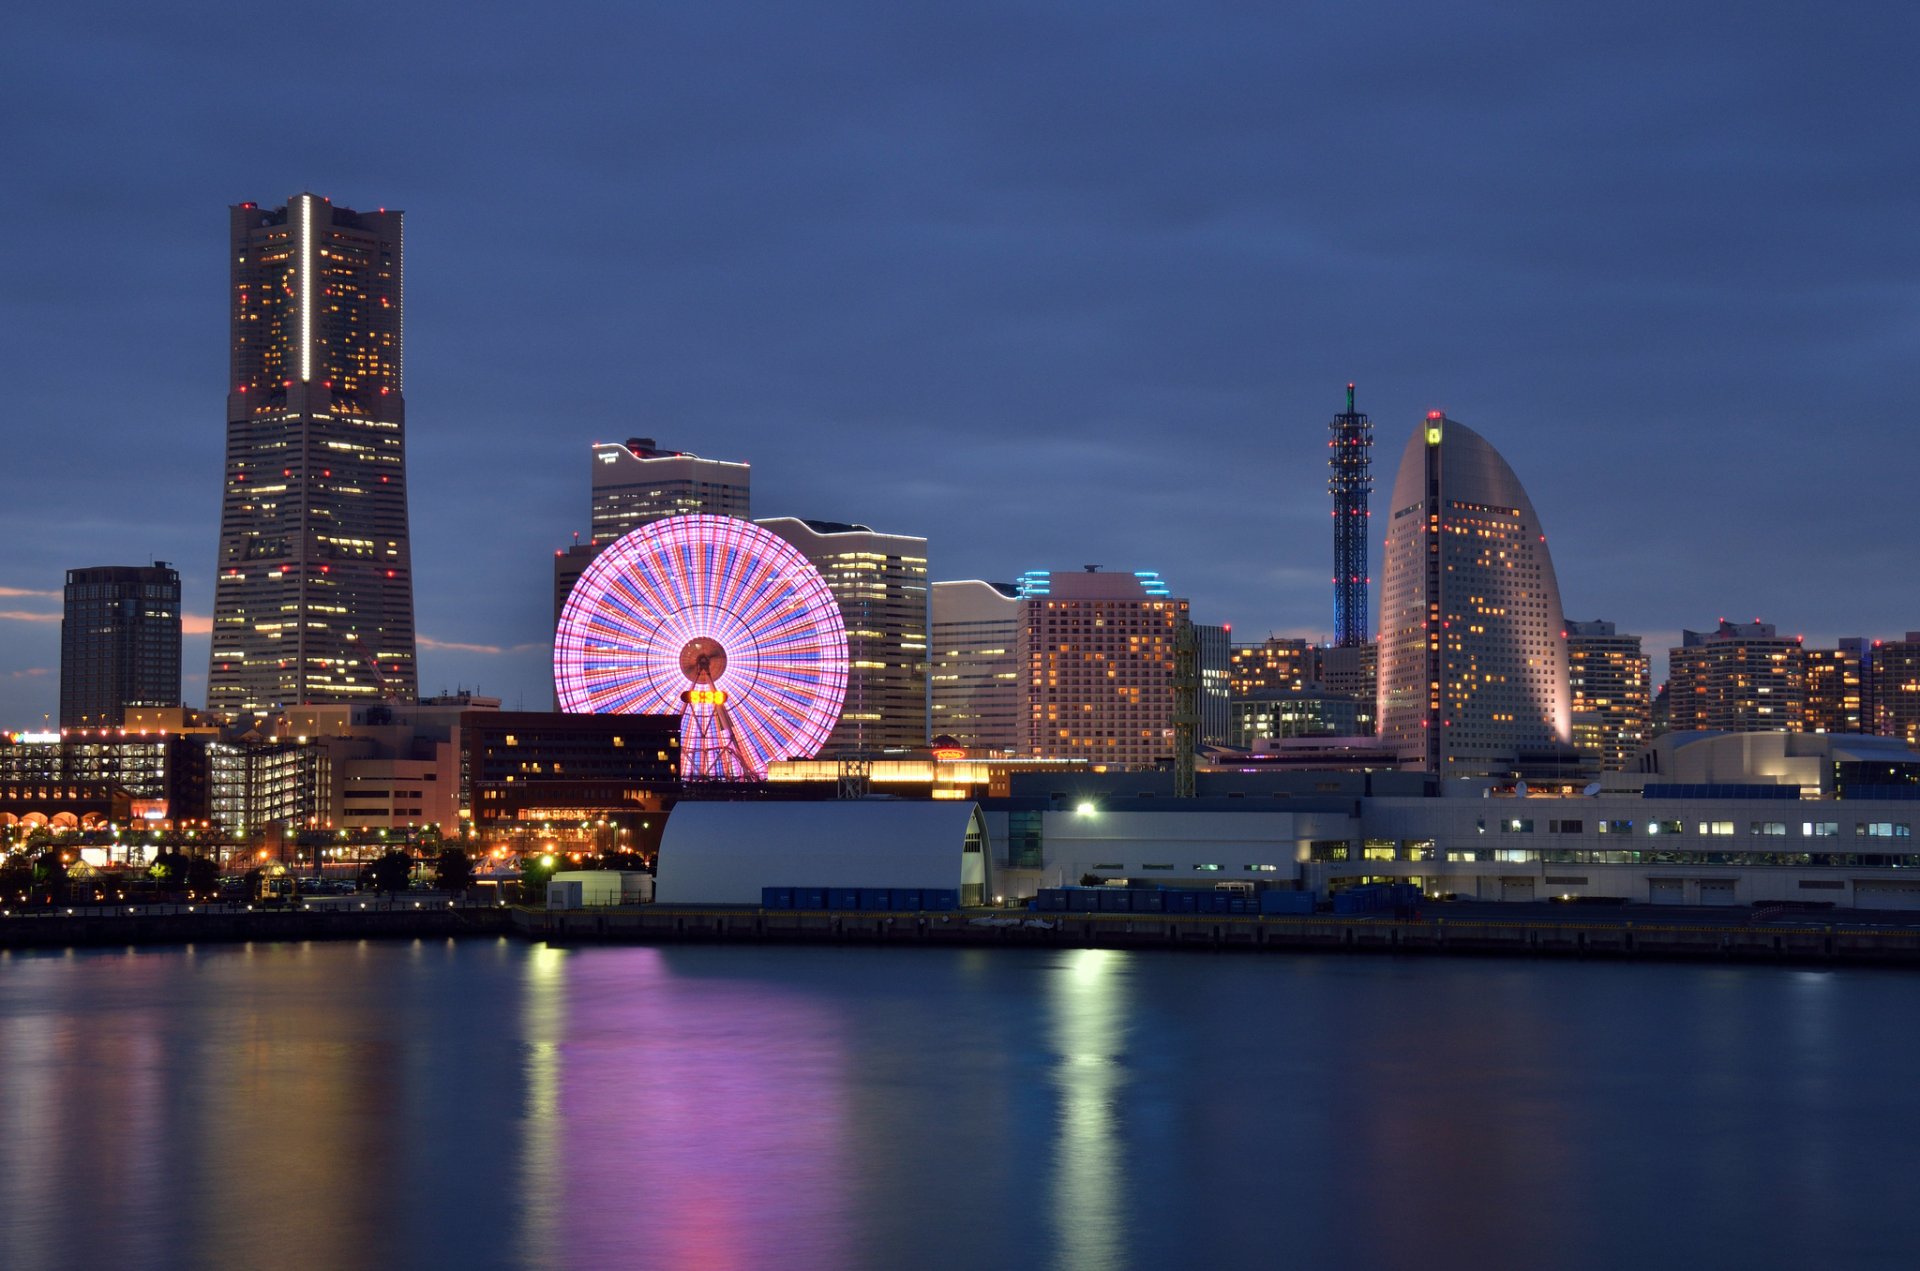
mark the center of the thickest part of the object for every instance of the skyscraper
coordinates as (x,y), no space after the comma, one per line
(1473,648)
(119,643)
(1893,679)
(973,689)
(1096,658)
(1837,696)
(880,581)
(1610,679)
(313,598)
(1741,677)
(1351,484)
(638,483)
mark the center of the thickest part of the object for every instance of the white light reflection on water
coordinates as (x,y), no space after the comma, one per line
(1088,1010)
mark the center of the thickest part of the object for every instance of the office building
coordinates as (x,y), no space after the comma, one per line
(1096,655)
(1352,671)
(637,482)
(973,688)
(1473,654)
(600,782)
(1609,677)
(1739,677)
(1214,644)
(1277,714)
(1276,664)
(1350,460)
(1837,698)
(880,581)
(119,643)
(1894,680)
(313,594)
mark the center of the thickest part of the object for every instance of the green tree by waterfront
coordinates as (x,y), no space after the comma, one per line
(169,870)
(203,877)
(50,875)
(453,870)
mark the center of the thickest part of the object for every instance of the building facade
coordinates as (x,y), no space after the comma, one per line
(1894,681)
(313,593)
(119,643)
(600,780)
(1739,677)
(880,582)
(1610,679)
(636,483)
(1096,655)
(1473,652)
(1837,697)
(1214,644)
(973,671)
(1275,665)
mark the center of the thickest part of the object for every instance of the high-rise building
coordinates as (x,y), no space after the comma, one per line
(1214,645)
(1610,679)
(1894,682)
(636,483)
(1351,484)
(1742,677)
(973,688)
(1837,700)
(313,597)
(1096,657)
(880,581)
(119,643)
(1473,650)
(1352,670)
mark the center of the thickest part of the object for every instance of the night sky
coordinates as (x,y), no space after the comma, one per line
(1049,283)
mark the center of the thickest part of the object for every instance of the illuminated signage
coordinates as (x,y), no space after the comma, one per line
(704,696)
(36,738)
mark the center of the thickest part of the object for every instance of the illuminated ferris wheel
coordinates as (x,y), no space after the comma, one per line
(718,621)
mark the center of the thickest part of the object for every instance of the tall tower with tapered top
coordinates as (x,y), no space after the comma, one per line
(313,598)
(1350,483)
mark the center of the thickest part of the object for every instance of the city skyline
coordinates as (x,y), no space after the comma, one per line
(903,343)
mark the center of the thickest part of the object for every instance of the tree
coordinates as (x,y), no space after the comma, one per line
(50,874)
(169,870)
(453,871)
(392,872)
(203,876)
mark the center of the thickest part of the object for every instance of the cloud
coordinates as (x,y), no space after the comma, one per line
(30,673)
(196,624)
(21,615)
(28,591)
(458,646)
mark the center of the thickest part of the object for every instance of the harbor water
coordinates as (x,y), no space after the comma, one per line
(489,1103)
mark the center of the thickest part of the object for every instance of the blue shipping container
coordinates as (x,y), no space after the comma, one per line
(908,901)
(1149,902)
(1115,900)
(876,898)
(776,897)
(843,898)
(1286,902)
(939,898)
(809,898)
(1083,900)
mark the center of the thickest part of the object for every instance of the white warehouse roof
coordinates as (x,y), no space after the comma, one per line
(724,853)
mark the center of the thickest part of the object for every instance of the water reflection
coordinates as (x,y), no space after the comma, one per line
(488,1104)
(1087,1011)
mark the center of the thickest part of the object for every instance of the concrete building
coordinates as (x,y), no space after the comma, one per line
(725,853)
(1276,664)
(880,581)
(1610,679)
(1894,682)
(1740,677)
(1769,828)
(1096,656)
(119,643)
(1837,695)
(1473,654)
(599,781)
(85,779)
(973,680)
(638,482)
(313,594)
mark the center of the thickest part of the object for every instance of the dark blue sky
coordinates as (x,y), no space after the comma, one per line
(1049,283)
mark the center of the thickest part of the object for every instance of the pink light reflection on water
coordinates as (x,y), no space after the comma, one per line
(700,1120)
